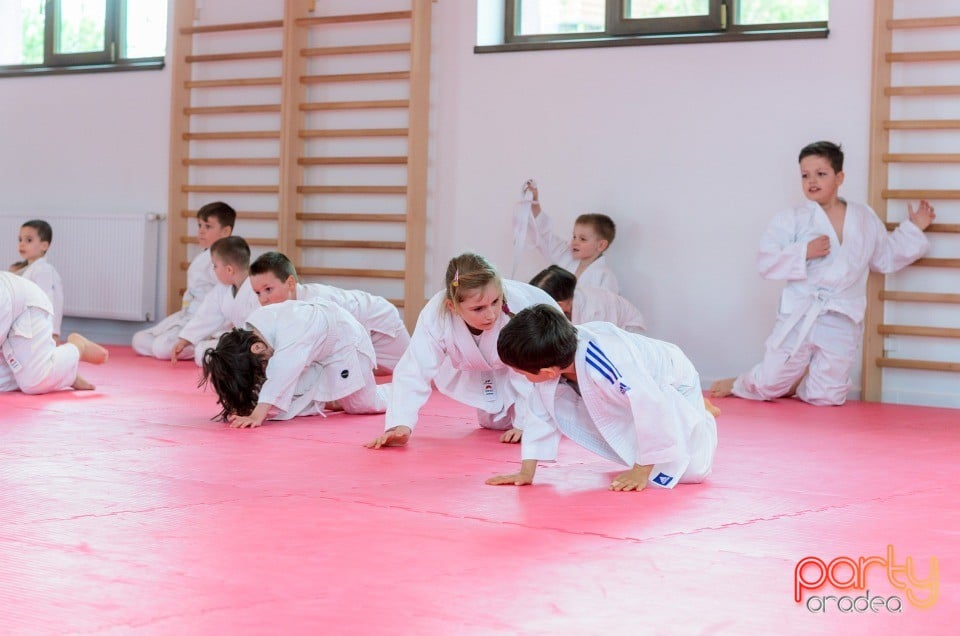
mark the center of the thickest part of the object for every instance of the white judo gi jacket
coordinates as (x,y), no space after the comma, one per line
(536,232)
(47,278)
(443,350)
(376,313)
(220,311)
(321,353)
(836,282)
(595,304)
(32,361)
(640,403)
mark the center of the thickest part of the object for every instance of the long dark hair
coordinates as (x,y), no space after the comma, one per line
(235,373)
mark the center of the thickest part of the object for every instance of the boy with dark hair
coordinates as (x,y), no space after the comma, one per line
(631,399)
(824,249)
(583,254)
(582,303)
(214,221)
(227,306)
(32,244)
(274,280)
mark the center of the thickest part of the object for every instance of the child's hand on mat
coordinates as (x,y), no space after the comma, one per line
(516,479)
(634,479)
(244,421)
(396,436)
(512,436)
(177,349)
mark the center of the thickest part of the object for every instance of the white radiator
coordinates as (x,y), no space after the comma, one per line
(108,263)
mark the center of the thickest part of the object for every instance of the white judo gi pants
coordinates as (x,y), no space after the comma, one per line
(372,398)
(158,341)
(32,361)
(826,354)
(389,348)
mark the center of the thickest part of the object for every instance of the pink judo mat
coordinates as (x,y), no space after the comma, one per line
(127,510)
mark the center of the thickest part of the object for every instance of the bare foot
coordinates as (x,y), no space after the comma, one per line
(333,405)
(90,351)
(713,410)
(722,388)
(82,385)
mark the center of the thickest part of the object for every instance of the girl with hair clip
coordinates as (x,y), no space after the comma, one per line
(454,344)
(296,358)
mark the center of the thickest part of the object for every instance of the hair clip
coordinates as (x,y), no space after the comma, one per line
(456,278)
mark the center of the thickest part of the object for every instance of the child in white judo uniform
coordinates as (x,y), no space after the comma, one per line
(454,344)
(32,244)
(583,254)
(294,358)
(32,361)
(583,304)
(824,249)
(626,397)
(214,221)
(226,306)
(274,280)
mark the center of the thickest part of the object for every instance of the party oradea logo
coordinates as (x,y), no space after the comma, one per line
(894,584)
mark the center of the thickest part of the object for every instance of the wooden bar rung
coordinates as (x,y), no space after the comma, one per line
(352,217)
(237,189)
(354,132)
(235,57)
(241,216)
(913,330)
(920,365)
(921,194)
(351,161)
(372,245)
(921,157)
(935,228)
(355,273)
(922,124)
(386,76)
(236,26)
(356,105)
(921,91)
(355,189)
(233,161)
(355,50)
(919,297)
(259,242)
(232,110)
(951,263)
(233,82)
(355,17)
(924,56)
(924,23)
(244,134)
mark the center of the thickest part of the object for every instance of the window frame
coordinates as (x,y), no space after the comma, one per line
(716,26)
(106,59)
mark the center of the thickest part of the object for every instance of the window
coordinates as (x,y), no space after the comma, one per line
(561,23)
(44,36)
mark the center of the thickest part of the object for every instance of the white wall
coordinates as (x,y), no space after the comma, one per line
(690,148)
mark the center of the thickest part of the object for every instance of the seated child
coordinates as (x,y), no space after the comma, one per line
(583,254)
(226,306)
(454,344)
(32,361)
(293,358)
(626,397)
(33,243)
(824,249)
(588,304)
(274,280)
(214,221)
